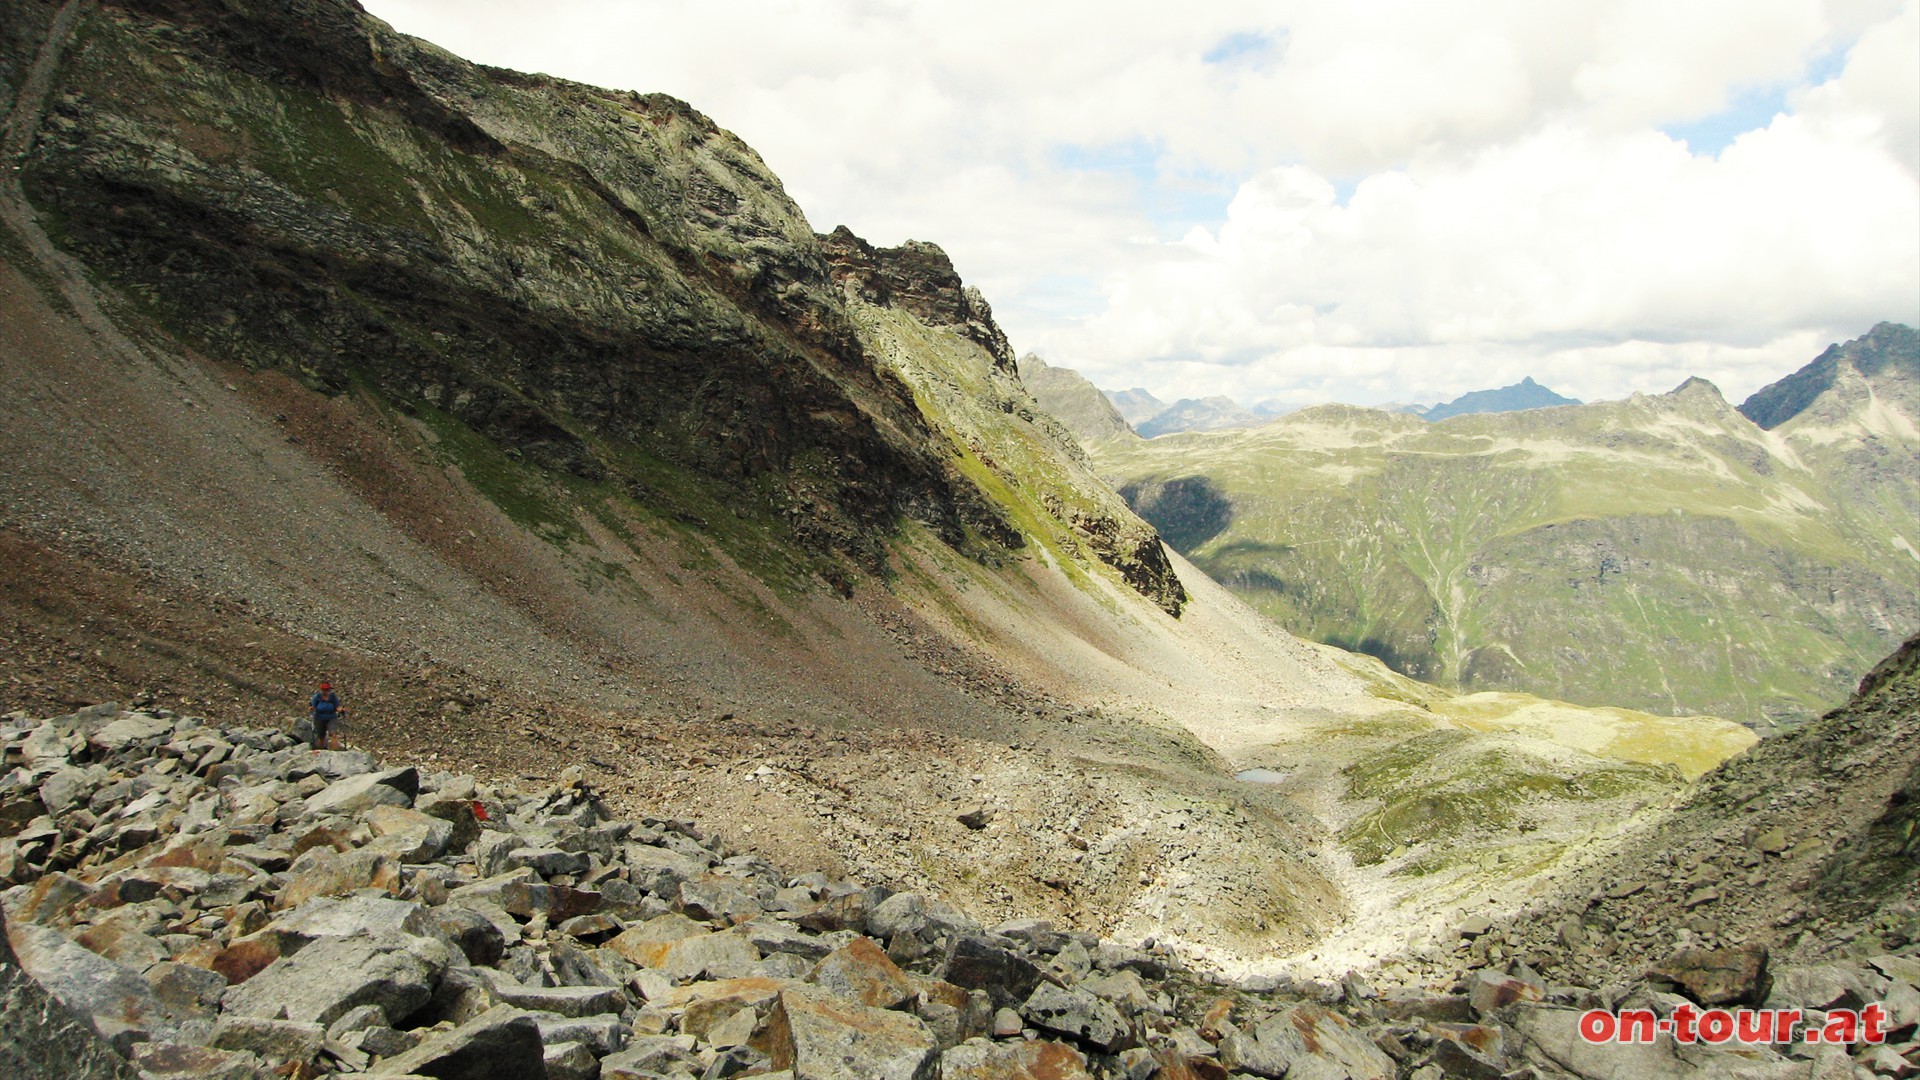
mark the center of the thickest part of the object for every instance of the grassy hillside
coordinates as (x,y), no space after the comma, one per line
(1662,552)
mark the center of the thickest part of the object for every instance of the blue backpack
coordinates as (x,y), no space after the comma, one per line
(325,704)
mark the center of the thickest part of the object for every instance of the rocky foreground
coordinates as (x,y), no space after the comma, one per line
(194,901)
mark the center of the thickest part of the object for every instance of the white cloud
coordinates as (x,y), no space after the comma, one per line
(1513,209)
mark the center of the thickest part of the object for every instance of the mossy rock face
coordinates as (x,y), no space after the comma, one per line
(570,273)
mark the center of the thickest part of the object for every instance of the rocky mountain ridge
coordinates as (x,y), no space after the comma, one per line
(1888,348)
(1135,405)
(1089,414)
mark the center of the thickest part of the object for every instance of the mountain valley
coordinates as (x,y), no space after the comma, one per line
(1663,552)
(539,418)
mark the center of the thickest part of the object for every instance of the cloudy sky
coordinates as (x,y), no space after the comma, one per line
(1351,200)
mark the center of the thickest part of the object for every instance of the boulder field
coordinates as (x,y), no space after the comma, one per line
(186,900)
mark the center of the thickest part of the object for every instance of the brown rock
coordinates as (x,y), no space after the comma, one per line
(1490,990)
(821,1037)
(123,945)
(1218,1014)
(177,1061)
(755,990)
(1712,977)
(50,900)
(322,872)
(648,943)
(1175,1065)
(863,972)
(320,837)
(703,1014)
(1036,1060)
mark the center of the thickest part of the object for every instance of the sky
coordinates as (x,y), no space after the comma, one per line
(1300,201)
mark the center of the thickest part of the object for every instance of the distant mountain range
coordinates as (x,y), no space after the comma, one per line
(1525,394)
(1666,552)
(1136,405)
(1150,417)
(1217,413)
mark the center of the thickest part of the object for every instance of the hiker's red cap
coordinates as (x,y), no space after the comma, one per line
(326,686)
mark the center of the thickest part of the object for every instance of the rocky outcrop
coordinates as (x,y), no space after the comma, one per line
(916,277)
(981,407)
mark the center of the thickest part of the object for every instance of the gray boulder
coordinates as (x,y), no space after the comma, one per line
(131,728)
(408,835)
(561,1000)
(321,982)
(118,1003)
(41,1039)
(1306,1042)
(501,1044)
(274,1040)
(823,1037)
(1077,1013)
(356,794)
(331,916)
(977,964)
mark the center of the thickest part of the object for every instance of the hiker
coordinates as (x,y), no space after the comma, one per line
(325,708)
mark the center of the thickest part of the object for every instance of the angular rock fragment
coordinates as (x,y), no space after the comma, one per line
(1036,1060)
(822,1037)
(1491,990)
(861,972)
(356,794)
(322,981)
(324,872)
(118,1003)
(1080,1015)
(408,835)
(182,1061)
(41,1039)
(272,1040)
(1715,977)
(561,1000)
(501,1044)
(1306,1041)
(648,1056)
(977,964)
